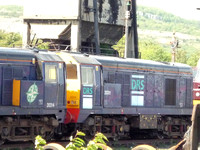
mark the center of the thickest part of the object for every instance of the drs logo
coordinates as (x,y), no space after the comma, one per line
(137,84)
(87,91)
(137,90)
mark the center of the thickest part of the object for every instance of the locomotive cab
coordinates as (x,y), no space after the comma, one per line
(83,86)
(32,94)
(46,90)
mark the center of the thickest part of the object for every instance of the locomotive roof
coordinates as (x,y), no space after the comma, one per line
(27,54)
(14,53)
(85,59)
(127,63)
(109,59)
(144,64)
(48,56)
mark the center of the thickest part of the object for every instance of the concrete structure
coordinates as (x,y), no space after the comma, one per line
(78,16)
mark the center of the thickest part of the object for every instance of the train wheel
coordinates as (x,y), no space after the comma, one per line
(88,137)
(116,138)
(53,146)
(143,147)
(48,136)
(89,133)
(160,136)
(2,142)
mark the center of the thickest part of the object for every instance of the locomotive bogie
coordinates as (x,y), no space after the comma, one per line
(112,126)
(175,126)
(23,128)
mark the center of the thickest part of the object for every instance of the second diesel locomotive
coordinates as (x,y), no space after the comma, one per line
(126,97)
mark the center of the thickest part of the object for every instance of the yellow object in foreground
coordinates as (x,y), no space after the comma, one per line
(195,102)
(143,147)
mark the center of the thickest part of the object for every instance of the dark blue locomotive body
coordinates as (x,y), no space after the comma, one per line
(123,97)
(32,93)
(115,96)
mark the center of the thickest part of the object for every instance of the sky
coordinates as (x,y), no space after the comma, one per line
(183,8)
(11,2)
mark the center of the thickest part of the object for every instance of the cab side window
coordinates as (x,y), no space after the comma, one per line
(39,70)
(87,76)
(50,73)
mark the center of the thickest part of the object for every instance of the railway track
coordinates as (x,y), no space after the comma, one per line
(124,143)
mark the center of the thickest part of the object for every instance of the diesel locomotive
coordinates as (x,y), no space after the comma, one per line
(56,93)
(32,94)
(124,98)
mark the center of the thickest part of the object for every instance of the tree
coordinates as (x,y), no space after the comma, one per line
(181,56)
(149,50)
(153,51)
(120,47)
(9,39)
(13,39)
(193,59)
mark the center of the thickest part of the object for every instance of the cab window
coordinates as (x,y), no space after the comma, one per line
(50,73)
(39,70)
(87,76)
(71,71)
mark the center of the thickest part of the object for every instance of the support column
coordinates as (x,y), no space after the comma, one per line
(96,27)
(75,36)
(27,35)
(131,46)
(76,31)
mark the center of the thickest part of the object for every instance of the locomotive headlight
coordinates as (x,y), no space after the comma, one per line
(197,94)
(33,60)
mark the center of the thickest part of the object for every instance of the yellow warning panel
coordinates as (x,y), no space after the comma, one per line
(16,93)
(73,94)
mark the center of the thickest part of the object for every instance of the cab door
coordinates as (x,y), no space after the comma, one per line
(91,86)
(97,100)
(54,85)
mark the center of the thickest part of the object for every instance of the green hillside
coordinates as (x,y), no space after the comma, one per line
(160,26)
(11,11)
(156,19)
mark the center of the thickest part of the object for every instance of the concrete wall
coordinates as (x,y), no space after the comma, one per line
(53,9)
(110,11)
(79,14)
